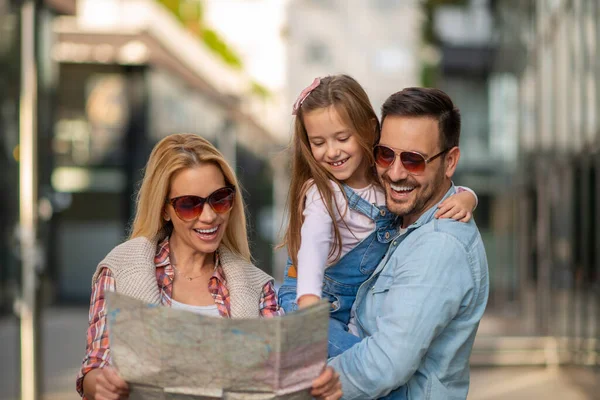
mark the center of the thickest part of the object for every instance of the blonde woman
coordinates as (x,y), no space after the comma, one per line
(188,250)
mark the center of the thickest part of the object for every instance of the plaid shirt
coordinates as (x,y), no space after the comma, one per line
(97,349)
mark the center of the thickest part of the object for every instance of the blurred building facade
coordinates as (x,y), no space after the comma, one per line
(378,42)
(10,89)
(255,30)
(464,32)
(9,133)
(549,52)
(526,77)
(116,76)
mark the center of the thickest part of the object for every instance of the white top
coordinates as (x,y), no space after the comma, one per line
(211,311)
(317,235)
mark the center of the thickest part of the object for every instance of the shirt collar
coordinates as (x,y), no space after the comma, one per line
(427,216)
(161,258)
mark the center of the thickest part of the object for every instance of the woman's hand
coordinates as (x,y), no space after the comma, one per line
(459,207)
(327,386)
(110,386)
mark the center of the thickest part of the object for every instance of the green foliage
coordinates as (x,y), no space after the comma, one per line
(171,5)
(191,13)
(260,90)
(429,75)
(215,43)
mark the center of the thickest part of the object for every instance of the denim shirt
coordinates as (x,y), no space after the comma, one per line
(418,314)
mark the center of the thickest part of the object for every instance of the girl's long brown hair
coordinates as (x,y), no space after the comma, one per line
(352,104)
(169,156)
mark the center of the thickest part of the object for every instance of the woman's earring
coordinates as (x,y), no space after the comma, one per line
(166,217)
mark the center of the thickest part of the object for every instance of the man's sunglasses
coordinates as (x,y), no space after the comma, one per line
(412,161)
(189,208)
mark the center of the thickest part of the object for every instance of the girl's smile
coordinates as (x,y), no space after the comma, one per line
(335,147)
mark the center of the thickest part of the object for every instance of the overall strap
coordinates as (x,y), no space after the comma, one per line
(357,203)
(385,221)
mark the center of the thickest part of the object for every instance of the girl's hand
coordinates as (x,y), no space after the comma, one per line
(110,386)
(307,300)
(458,207)
(327,386)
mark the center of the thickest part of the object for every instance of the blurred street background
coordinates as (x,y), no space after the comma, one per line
(87,87)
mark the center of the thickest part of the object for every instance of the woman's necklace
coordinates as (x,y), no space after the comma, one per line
(177,272)
(189,278)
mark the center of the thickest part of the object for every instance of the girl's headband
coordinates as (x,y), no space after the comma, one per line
(304,94)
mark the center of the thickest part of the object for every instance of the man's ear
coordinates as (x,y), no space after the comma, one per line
(451,161)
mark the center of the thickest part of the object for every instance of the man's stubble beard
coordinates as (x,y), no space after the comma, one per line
(418,205)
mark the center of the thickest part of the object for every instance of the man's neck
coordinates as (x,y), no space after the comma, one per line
(410,219)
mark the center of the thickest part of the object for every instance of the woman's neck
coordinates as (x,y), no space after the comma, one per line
(187,259)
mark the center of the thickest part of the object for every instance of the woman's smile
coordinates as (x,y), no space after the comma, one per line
(208,234)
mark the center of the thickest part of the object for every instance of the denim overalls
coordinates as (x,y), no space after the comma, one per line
(342,279)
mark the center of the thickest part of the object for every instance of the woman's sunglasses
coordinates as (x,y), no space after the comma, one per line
(189,208)
(412,161)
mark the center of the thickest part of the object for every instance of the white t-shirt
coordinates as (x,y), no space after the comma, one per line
(318,235)
(211,311)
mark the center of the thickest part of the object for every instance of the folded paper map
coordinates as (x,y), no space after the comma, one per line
(173,354)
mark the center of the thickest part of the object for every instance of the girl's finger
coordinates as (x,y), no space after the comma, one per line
(448,213)
(458,215)
(442,208)
(467,217)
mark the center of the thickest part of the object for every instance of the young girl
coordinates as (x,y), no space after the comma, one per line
(339,228)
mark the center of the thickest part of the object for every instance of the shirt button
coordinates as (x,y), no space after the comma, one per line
(382,212)
(387,235)
(395,243)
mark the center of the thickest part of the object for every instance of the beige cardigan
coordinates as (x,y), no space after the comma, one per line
(132,264)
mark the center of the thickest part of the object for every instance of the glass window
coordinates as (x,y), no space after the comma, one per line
(317,53)
(393,59)
(387,5)
(322,3)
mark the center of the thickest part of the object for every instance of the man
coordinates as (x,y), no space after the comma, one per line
(419,312)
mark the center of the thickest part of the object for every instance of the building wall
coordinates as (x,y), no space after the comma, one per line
(375,41)
(108,119)
(255,30)
(554,48)
(9,139)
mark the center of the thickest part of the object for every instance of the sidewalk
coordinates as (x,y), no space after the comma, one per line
(63,349)
(533,383)
(64,345)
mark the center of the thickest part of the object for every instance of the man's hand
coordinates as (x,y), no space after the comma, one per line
(110,386)
(327,386)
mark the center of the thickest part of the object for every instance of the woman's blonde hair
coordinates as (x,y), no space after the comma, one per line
(169,156)
(353,106)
